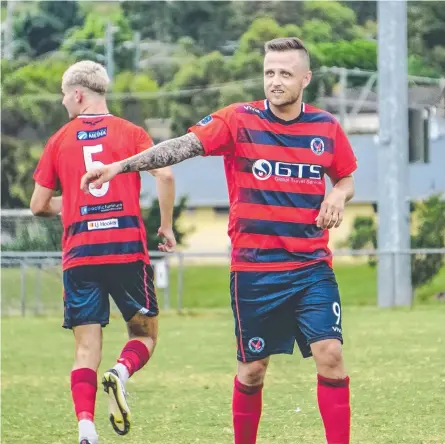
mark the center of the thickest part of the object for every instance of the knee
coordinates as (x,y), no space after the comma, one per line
(144,329)
(328,355)
(252,373)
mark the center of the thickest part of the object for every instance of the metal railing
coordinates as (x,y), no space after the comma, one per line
(41,262)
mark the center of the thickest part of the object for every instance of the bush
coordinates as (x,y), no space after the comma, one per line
(430,216)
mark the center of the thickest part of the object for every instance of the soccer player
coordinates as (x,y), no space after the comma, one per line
(276,154)
(104,241)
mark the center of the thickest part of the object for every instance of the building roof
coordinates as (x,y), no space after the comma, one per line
(203,179)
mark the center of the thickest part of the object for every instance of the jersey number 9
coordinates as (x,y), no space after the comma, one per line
(88,152)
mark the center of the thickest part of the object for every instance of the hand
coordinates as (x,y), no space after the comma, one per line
(169,240)
(96,177)
(331,211)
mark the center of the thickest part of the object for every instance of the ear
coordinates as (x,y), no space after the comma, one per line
(78,94)
(307,79)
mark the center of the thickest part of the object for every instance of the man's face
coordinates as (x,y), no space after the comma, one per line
(286,74)
(72,99)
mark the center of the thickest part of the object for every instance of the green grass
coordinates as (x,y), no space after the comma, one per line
(395,359)
(204,287)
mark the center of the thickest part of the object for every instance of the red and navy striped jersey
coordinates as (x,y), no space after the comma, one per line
(105,225)
(275,172)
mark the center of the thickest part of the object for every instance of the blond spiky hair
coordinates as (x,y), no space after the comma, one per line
(88,74)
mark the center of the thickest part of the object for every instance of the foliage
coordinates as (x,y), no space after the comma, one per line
(431,234)
(208,24)
(88,41)
(135,110)
(26,124)
(430,217)
(42,29)
(38,235)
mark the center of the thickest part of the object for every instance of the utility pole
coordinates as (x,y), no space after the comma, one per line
(137,50)
(8,36)
(109,50)
(394,269)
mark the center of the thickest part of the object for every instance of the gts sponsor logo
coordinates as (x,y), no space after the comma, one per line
(282,171)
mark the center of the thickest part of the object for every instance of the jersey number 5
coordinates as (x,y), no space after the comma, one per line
(88,152)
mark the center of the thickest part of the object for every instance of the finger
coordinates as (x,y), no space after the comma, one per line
(324,209)
(99,181)
(84,182)
(340,219)
(333,221)
(326,219)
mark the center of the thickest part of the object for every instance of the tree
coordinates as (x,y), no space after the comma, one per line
(88,41)
(42,29)
(26,124)
(208,70)
(425,33)
(430,218)
(209,24)
(132,108)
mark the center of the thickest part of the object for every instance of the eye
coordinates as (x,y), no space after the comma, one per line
(269,73)
(286,74)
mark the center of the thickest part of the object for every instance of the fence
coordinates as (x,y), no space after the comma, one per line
(32,281)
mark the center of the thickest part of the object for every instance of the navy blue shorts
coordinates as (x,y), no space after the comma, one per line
(273,310)
(87,289)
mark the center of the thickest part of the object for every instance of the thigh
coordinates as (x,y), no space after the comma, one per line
(85,298)
(132,288)
(264,319)
(318,309)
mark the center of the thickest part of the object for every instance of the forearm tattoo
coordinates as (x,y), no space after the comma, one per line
(164,154)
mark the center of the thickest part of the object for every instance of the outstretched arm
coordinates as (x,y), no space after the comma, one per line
(164,154)
(161,155)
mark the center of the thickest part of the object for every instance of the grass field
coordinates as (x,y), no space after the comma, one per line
(204,287)
(396,360)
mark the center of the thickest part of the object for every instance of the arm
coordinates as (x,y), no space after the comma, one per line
(346,186)
(43,203)
(161,155)
(332,208)
(165,186)
(164,154)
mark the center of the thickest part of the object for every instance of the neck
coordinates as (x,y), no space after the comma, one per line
(287,112)
(95,108)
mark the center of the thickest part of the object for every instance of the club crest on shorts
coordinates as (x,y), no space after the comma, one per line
(317,146)
(256,344)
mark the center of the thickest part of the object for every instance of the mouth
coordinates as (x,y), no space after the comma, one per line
(277,91)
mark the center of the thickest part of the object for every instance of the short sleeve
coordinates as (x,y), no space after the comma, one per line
(344,162)
(143,141)
(215,133)
(45,174)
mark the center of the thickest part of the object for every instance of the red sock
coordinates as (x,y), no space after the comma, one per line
(134,355)
(83,389)
(246,410)
(335,410)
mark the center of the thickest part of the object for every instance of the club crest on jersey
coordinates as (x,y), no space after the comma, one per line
(262,169)
(317,146)
(92,135)
(256,344)
(205,121)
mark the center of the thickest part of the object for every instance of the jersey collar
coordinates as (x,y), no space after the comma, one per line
(271,116)
(81,116)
